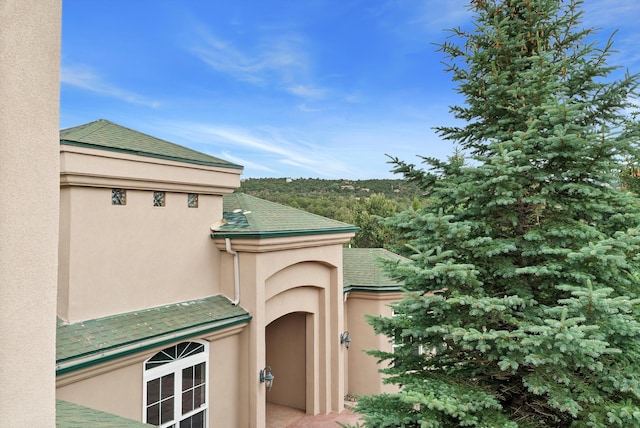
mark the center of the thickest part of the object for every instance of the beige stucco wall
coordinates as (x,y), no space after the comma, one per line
(29,99)
(117,391)
(227,380)
(122,258)
(363,375)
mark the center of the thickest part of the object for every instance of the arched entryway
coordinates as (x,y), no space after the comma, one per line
(298,342)
(286,343)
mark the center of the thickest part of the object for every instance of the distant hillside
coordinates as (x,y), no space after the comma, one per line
(313,187)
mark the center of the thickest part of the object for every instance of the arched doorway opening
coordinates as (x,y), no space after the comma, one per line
(286,343)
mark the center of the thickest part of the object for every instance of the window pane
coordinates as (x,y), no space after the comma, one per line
(153,391)
(166,411)
(181,348)
(162,357)
(198,396)
(195,421)
(199,374)
(153,414)
(193,348)
(167,386)
(187,378)
(152,364)
(187,401)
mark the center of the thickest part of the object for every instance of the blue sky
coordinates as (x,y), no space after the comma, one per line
(285,88)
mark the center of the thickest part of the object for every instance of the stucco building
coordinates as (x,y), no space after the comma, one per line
(178,299)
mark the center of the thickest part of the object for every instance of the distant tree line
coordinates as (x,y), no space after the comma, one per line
(363,203)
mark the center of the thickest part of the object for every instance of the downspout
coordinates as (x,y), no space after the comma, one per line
(236,271)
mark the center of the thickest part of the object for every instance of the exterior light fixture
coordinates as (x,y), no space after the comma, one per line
(345,339)
(266,377)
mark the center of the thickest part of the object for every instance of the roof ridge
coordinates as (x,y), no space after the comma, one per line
(87,127)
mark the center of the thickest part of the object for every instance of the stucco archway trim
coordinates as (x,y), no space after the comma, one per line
(299,299)
(305,274)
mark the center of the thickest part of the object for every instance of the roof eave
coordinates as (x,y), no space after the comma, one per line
(100,356)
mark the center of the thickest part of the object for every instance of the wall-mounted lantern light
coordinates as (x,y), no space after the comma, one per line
(345,339)
(266,377)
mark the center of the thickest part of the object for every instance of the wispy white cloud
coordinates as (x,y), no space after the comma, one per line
(84,78)
(269,144)
(353,98)
(307,91)
(278,61)
(305,108)
(244,162)
(436,15)
(222,56)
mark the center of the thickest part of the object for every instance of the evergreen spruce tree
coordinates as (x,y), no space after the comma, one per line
(522,304)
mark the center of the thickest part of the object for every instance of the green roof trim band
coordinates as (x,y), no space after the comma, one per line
(150,155)
(368,289)
(280,233)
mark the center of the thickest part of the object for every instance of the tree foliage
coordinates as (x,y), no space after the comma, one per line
(522,290)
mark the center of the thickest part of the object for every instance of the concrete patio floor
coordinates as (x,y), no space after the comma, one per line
(287,417)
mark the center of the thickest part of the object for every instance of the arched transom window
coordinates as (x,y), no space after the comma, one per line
(175,386)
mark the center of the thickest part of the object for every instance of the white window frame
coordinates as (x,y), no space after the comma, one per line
(176,368)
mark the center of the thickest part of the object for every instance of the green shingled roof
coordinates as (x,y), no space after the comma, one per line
(250,217)
(106,135)
(91,342)
(362,270)
(71,415)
